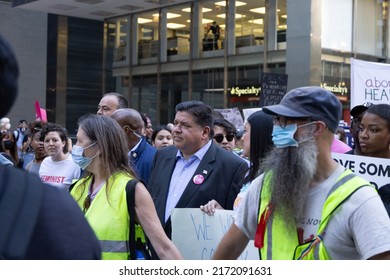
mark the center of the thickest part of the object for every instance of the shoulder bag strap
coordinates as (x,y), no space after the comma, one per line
(130,197)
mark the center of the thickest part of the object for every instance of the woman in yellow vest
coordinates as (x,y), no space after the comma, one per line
(101,151)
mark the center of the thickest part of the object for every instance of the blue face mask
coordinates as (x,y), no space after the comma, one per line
(79,159)
(284,137)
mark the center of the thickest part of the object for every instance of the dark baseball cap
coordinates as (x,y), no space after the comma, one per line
(312,102)
(357,110)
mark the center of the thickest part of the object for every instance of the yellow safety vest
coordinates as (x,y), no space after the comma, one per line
(109,219)
(276,241)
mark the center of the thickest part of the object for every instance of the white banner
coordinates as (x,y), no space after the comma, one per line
(370,82)
(197,234)
(373,169)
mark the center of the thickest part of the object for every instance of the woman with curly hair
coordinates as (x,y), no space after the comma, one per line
(58,168)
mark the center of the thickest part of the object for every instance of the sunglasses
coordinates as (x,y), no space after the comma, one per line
(219,137)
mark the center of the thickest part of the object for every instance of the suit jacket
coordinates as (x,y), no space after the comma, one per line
(142,159)
(223,173)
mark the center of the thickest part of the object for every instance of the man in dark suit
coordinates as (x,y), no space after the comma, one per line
(194,170)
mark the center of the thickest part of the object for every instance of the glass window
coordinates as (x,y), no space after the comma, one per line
(249,23)
(337,25)
(213,25)
(178,30)
(369,26)
(121,32)
(148,34)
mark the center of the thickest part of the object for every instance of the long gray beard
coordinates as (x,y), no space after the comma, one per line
(293,168)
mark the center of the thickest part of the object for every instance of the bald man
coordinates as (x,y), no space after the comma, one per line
(141,154)
(110,102)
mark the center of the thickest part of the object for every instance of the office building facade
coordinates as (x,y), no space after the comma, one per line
(160,53)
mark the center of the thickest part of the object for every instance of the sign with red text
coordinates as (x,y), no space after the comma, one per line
(369,82)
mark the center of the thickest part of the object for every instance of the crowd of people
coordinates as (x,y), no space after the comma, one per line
(281,178)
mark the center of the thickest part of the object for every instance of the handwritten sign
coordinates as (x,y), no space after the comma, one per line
(249,111)
(233,115)
(374,170)
(197,234)
(273,88)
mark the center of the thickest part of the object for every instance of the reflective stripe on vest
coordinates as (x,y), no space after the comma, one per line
(108,219)
(113,246)
(287,245)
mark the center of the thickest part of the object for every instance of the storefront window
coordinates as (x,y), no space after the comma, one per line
(144,95)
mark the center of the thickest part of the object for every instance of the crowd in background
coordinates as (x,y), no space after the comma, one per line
(276,173)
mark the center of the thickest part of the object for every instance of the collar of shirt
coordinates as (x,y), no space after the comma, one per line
(199,154)
(136,146)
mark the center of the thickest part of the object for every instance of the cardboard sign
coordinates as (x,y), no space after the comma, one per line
(197,234)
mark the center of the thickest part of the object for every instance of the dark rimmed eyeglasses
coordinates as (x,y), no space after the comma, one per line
(219,137)
(282,121)
(278,120)
(87,203)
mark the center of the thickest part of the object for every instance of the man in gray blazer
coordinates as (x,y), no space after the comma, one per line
(194,170)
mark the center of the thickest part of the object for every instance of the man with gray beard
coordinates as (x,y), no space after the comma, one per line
(305,205)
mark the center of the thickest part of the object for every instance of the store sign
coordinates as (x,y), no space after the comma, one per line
(249,90)
(340,90)
(337,89)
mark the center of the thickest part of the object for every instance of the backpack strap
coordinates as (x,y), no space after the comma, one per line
(130,198)
(20,203)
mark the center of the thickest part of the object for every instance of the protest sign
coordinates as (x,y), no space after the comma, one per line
(249,111)
(197,234)
(273,88)
(374,170)
(233,115)
(369,82)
